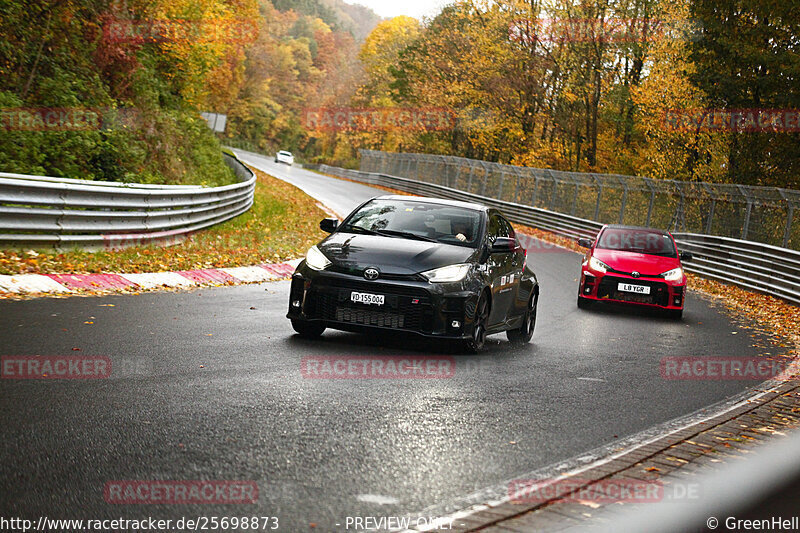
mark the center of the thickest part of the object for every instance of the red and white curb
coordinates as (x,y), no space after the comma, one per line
(74,283)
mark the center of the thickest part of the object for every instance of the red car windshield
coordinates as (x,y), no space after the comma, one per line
(641,241)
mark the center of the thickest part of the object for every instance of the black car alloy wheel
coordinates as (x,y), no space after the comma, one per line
(524,333)
(476,343)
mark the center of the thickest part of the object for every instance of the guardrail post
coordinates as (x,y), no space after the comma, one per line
(624,201)
(676,218)
(748,211)
(710,219)
(787,233)
(555,189)
(599,196)
(458,174)
(652,201)
(575,199)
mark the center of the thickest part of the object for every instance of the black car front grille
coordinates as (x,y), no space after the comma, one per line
(383,275)
(371,317)
(407,308)
(609,288)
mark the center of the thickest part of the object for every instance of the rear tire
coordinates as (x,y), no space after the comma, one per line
(308,330)
(476,343)
(523,334)
(584,303)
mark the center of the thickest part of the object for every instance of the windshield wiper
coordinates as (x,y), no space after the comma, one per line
(405,234)
(351,227)
(387,233)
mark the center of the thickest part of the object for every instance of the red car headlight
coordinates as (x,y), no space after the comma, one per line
(676,274)
(597,265)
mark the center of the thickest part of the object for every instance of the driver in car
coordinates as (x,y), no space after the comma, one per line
(461,230)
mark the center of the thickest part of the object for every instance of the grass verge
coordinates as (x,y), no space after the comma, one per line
(281,225)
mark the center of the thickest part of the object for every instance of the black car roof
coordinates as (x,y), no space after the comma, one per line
(454,203)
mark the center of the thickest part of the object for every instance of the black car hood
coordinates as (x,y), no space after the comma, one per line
(391,255)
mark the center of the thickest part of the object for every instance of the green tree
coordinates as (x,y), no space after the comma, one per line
(748,57)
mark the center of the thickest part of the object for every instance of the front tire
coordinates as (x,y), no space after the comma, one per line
(308,330)
(584,303)
(523,335)
(476,343)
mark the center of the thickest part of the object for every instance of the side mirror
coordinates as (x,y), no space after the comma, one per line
(504,245)
(585,243)
(329,225)
(687,256)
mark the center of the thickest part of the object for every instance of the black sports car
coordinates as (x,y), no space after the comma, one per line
(437,268)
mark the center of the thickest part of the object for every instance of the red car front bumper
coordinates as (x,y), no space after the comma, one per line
(605,287)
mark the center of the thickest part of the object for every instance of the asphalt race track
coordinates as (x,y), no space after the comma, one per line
(204,387)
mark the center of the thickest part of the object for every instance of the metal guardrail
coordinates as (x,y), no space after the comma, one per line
(760,214)
(40,211)
(751,265)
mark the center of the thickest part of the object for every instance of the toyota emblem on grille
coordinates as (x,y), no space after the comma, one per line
(636,275)
(371,273)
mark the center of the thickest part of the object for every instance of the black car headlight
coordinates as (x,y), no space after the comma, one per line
(448,274)
(316,260)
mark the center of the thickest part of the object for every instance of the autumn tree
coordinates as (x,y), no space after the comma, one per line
(747,57)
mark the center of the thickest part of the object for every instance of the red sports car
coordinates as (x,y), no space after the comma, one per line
(634,265)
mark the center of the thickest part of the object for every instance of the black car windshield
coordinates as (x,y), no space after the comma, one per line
(417,220)
(641,241)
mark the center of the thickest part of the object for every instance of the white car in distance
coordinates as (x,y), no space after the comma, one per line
(284,157)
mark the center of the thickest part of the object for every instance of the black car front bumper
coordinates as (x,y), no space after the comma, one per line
(441,310)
